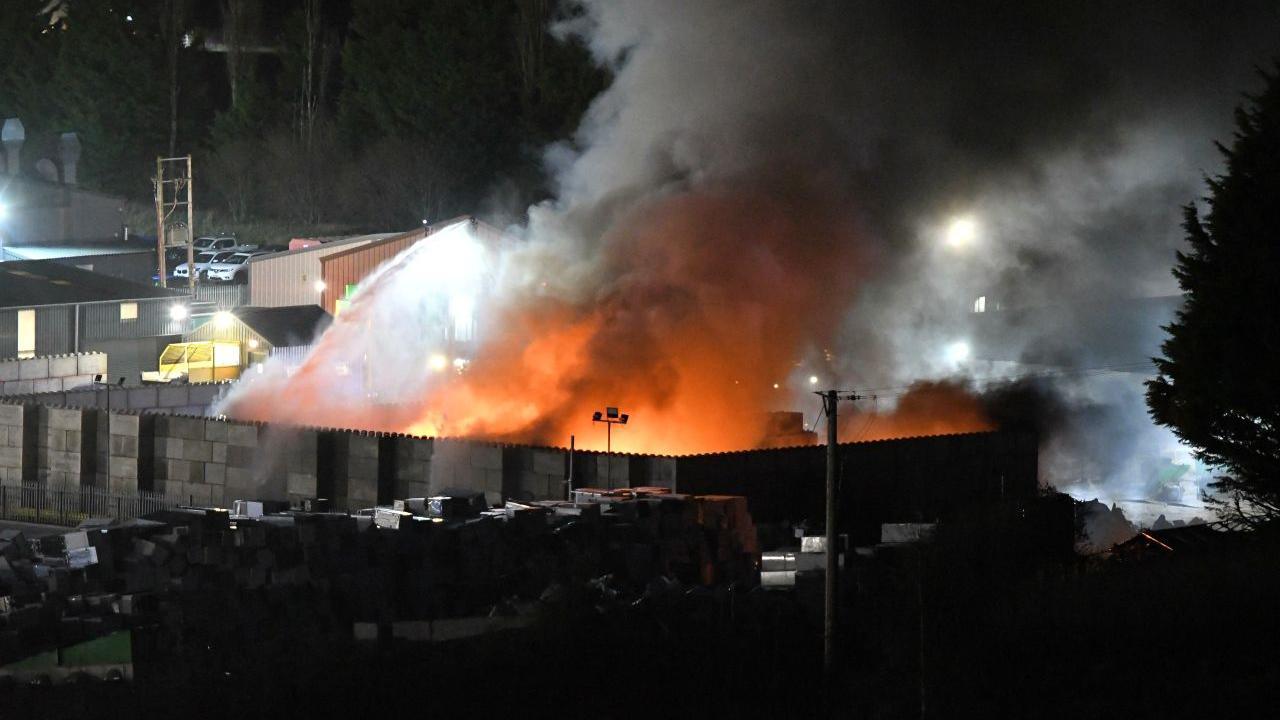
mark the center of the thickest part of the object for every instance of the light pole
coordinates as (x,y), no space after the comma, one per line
(609,417)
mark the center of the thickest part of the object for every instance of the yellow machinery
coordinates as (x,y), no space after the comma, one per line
(200,361)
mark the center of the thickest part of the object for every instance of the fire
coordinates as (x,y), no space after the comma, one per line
(691,310)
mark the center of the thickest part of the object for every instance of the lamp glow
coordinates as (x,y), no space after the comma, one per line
(957,352)
(319,286)
(222,320)
(177,313)
(962,232)
(438,362)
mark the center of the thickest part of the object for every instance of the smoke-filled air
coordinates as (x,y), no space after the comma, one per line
(973,230)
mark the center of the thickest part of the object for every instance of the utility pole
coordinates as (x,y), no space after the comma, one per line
(830,401)
(174,174)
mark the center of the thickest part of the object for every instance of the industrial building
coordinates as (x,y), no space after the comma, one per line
(342,272)
(293,277)
(44,213)
(263,332)
(47,308)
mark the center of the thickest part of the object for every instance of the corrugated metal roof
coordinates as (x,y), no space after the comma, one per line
(30,283)
(330,245)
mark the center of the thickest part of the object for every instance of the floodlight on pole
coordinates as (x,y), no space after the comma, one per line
(610,417)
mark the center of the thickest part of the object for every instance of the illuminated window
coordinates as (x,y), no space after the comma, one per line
(980,305)
(128,311)
(26,333)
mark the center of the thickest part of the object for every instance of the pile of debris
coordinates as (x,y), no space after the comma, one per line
(418,559)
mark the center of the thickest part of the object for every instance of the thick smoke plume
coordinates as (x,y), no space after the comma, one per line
(762,195)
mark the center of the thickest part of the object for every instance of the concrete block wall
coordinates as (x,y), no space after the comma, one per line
(467,465)
(356,469)
(169,399)
(59,447)
(51,373)
(11,426)
(119,448)
(413,466)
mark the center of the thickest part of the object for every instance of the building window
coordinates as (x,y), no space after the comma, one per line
(26,333)
(980,305)
(128,311)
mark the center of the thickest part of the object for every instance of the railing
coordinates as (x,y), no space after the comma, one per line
(36,504)
(223,296)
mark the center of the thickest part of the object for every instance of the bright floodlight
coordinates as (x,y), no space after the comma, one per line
(961,232)
(222,320)
(958,352)
(438,362)
(319,286)
(813,379)
(177,313)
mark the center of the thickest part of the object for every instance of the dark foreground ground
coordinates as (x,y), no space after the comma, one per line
(1000,636)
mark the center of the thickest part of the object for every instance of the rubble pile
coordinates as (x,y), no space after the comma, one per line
(418,559)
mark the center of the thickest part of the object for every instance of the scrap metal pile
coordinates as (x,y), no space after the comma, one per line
(422,558)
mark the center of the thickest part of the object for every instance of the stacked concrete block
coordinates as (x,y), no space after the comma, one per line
(540,472)
(11,424)
(613,471)
(356,471)
(181,452)
(469,466)
(118,453)
(413,466)
(239,454)
(48,374)
(58,447)
(298,464)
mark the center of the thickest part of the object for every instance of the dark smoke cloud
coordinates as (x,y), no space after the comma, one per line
(1072,132)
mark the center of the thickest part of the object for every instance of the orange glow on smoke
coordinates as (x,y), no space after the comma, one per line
(927,408)
(697,305)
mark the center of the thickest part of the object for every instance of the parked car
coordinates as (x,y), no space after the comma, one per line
(203,260)
(224,242)
(229,269)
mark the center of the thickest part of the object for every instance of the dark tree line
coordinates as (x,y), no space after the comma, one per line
(358,113)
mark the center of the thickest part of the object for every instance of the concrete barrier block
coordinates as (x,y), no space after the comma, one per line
(126,485)
(488,457)
(80,382)
(47,385)
(19,387)
(187,428)
(197,450)
(242,435)
(11,457)
(548,462)
(362,446)
(91,364)
(215,430)
(52,440)
(218,452)
(10,414)
(493,481)
(62,367)
(9,370)
(125,425)
(241,457)
(302,484)
(63,462)
(62,418)
(33,368)
(215,473)
(171,396)
(125,467)
(143,398)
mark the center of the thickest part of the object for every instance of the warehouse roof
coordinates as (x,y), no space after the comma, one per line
(287,326)
(29,283)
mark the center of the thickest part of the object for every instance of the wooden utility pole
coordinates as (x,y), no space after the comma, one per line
(174,190)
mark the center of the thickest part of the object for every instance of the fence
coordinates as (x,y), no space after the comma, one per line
(35,504)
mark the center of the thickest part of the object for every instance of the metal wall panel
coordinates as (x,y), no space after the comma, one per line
(349,268)
(101,321)
(55,330)
(289,278)
(8,333)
